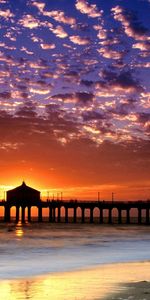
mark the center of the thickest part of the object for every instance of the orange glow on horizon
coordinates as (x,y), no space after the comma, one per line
(75,185)
(121,192)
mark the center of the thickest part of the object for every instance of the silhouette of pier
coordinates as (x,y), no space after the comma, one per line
(25,197)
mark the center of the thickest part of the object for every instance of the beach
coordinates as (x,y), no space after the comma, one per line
(74,262)
(117,281)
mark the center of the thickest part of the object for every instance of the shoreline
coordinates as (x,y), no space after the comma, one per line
(91,268)
(101,282)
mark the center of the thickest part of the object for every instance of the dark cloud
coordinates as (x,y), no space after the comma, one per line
(125,108)
(61,123)
(64,97)
(93,115)
(126,80)
(28,110)
(79,97)
(123,80)
(24,95)
(87,83)
(144,117)
(21,87)
(84,98)
(5,95)
(71,74)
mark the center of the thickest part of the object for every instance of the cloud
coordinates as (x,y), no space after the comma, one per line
(76,39)
(93,115)
(62,124)
(144,117)
(57,15)
(39,91)
(87,83)
(132,27)
(92,85)
(84,97)
(67,98)
(24,49)
(102,33)
(143,46)
(28,21)
(90,62)
(72,76)
(48,46)
(126,81)
(6,14)
(7,146)
(48,74)
(40,6)
(5,95)
(60,17)
(142,65)
(114,83)
(37,65)
(109,42)
(85,8)
(10,35)
(36,39)
(124,108)
(107,52)
(4,74)
(46,24)
(28,110)
(78,97)
(59,32)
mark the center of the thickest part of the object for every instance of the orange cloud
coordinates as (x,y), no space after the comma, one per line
(142,46)
(59,32)
(59,16)
(102,33)
(39,91)
(85,8)
(48,46)
(29,21)
(109,53)
(39,5)
(76,39)
(6,14)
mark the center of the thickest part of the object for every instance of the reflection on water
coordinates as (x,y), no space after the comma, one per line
(19,229)
(85,284)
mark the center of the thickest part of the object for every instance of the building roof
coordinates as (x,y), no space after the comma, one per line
(23,195)
(24,188)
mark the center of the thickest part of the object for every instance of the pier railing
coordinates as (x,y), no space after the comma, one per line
(60,210)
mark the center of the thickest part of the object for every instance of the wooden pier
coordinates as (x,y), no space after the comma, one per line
(24,197)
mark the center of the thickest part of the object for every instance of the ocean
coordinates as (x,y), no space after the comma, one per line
(48,250)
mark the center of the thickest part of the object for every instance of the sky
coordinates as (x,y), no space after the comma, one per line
(75,97)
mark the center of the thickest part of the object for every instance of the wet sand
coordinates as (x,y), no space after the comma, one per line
(102,282)
(133,291)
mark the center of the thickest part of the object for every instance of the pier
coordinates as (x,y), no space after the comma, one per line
(24,198)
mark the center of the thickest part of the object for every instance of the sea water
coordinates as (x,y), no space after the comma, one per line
(38,249)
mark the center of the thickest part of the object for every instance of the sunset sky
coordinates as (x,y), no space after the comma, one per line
(75,97)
